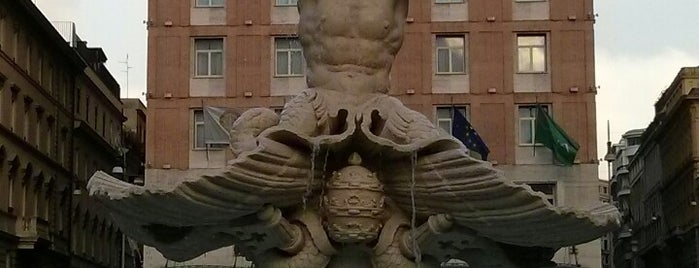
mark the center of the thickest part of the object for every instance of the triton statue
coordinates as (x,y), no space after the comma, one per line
(349,177)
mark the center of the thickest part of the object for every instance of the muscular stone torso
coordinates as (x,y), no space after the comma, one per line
(350,45)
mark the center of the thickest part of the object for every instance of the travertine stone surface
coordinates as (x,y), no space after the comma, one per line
(349,177)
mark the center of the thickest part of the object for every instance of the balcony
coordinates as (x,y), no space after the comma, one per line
(623,192)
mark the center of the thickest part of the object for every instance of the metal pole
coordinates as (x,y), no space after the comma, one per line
(123,248)
(124,177)
(126,63)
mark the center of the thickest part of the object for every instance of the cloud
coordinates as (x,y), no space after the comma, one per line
(629,87)
(60,10)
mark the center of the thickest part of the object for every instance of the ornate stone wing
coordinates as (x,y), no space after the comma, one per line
(187,218)
(480,198)
(448,181)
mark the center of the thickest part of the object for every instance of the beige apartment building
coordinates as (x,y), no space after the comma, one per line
(492,60)
(60,121)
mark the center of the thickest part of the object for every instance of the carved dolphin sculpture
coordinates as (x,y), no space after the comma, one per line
(439,202)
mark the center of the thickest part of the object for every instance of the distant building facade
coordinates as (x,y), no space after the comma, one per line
(606,243)
(491,60)
(134,135)
(661,212)
(60,120)
(620,190)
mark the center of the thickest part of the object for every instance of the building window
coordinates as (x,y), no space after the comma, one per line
(87,110)
(38,131)
(448,1)
(450,55)
(62,153)
(209,57)
(15,42)
(198,126)
(605,245)
(289,57)
(210,3)
(3,26)
(26,119)
(633,141)
(14,91)
(527,124)
(104,124)
(28,59)
(49,135)
(286,2)
(78,100)
(445,116)
(548,189)
(531,53)
(12,178)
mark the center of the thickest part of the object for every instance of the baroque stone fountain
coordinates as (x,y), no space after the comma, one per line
(347,176)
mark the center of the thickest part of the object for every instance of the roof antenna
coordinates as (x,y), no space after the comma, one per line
(127,67)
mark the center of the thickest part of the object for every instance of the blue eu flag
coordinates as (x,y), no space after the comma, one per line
(463,131)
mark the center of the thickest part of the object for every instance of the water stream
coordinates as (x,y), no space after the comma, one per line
(322,186)
(413,233)
(315,150)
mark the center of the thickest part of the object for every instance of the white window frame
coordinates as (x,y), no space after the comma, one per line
(209,3)
(448,1)
(439,120)
(209,53)
(532,123)
(286,3)
(195,130)
(531,69)
(450,50)
(288,52)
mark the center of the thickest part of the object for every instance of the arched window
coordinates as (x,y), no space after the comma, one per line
(26,184)
(49,212)
(37,194)
(12,180)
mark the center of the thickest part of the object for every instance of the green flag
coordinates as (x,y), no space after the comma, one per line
(553,137)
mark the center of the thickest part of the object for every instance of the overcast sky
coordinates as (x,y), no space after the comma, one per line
(640,47)
(114,25)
